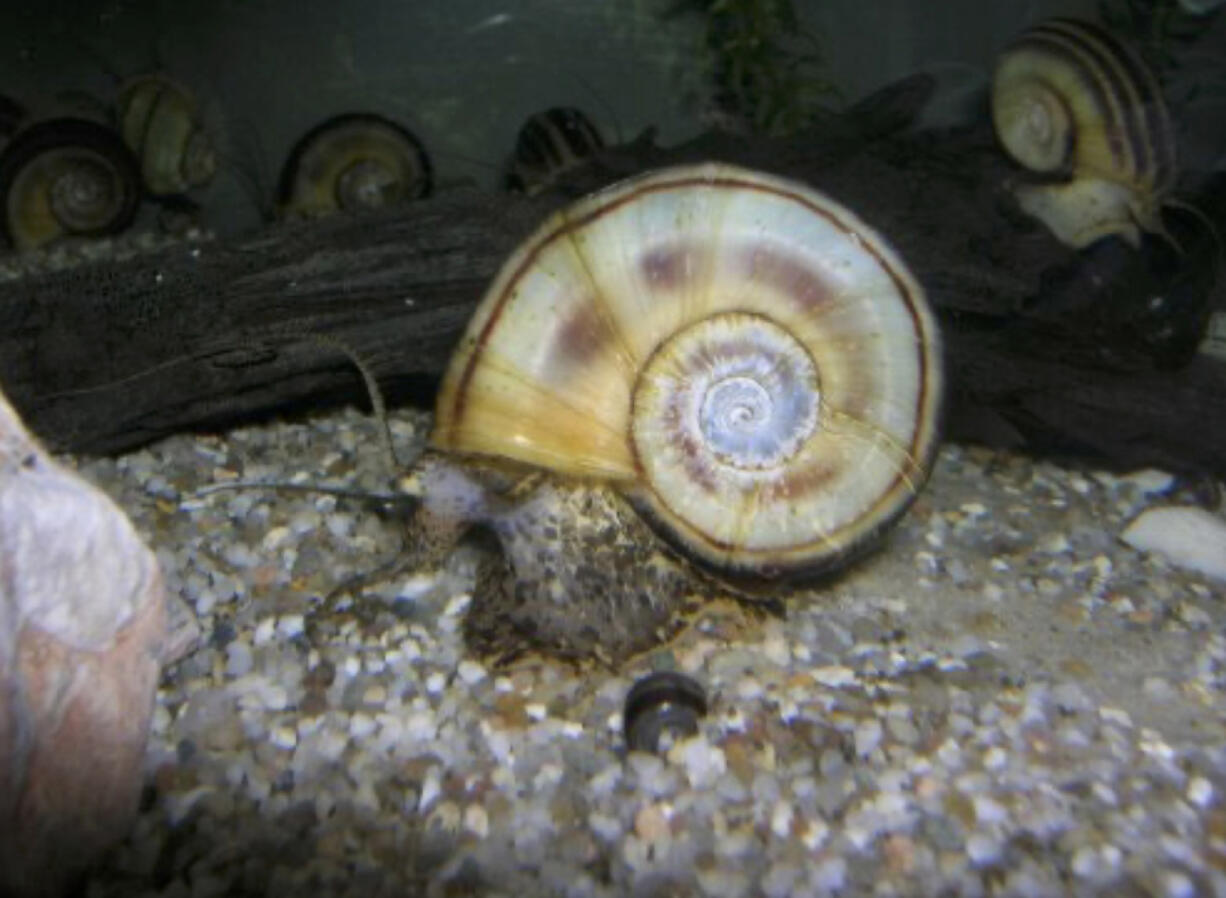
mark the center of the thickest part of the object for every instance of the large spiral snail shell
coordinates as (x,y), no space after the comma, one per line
(161,123)
(739,356)
(66,177)
(353,162)
(1078,107)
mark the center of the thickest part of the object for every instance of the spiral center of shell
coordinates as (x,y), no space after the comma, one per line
(734,390)
(366,184)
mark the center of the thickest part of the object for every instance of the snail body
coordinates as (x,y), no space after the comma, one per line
(732,360)
(161,123)
(550,143)
(353,162)
(1081,110)
(66,177)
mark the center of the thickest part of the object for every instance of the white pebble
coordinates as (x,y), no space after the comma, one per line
(264,631)
(361,725)
(1200,791)
(1150,480)
(776,650)
(989,811)
(605,827)
(471,672)
(477,821)
(275,538)
(982,849)
(834,676)
(420,727)
(291,625)
(868,736)
(1117,716)
(704,763)
(1188,537)
(813,833)
(1177,885)
(431,788)
(436,683)
(285,737)
(781,819)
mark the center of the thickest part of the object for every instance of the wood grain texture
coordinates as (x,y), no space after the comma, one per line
(1046,348)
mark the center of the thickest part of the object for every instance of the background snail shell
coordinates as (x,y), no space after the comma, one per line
(161,124)
(548,144)
(353,162)
(65,177)
(743,359)
(1071,101)
(12,114)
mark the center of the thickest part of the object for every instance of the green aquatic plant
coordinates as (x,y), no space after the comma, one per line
(769,72)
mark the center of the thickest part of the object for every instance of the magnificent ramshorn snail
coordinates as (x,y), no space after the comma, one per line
(733,355)
(1073,103)
(161,123)
(548,144)
(66,177)
(353,162)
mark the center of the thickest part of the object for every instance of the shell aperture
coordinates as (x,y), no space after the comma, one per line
(741,357)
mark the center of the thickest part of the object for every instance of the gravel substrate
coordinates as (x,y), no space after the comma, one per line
(1005,700)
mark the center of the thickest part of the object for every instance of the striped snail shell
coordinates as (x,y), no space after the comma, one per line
(1079,107)
(160,122)
(353,162)
(550,143)
(744,360)
(66,177)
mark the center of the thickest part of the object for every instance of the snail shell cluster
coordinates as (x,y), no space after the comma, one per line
(734,356)
(66,177)
(1083,111)
(161,123)
(550,143)
(353,162)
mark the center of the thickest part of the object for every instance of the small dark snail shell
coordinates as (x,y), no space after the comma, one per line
(66,177)
(548,144)
(161,123)
(1077,106)
(745,361)
(353,162)
(662,706)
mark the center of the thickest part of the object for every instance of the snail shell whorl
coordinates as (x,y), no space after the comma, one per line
(65,177)
(160,123)
(353,162)
(751,365)
(1069,99)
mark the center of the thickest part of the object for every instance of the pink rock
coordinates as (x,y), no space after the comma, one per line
(82,629)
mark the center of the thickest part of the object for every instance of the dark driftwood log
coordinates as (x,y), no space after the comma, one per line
(1046,348)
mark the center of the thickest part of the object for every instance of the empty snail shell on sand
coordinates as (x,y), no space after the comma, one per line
(353,162)
(662,706)
(1077,106)
(161,123)
(734,356)
(66,177)
(548,144)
